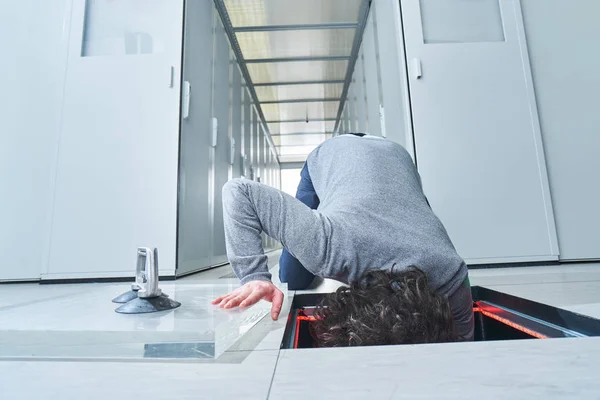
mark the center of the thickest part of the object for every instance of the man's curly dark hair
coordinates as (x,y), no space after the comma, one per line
(384,308)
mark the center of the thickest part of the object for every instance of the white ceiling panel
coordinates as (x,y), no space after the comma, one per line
(295,150)
(296,43)
(293,159)
(296,92)
(294,12)
(292,111)
(296,140)
(298,127)
(297,71)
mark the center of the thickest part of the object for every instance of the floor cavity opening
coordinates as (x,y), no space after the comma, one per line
(498,316)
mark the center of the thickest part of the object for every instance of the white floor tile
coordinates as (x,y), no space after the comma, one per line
(591,310)
(555,294)
(85,325)
(23,293)
(537,274)
(520,369)
(247,376)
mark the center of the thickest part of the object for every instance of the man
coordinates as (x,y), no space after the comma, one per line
(372,223)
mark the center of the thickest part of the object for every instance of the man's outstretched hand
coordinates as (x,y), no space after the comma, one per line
(251,293)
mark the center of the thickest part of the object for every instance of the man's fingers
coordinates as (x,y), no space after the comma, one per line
(218,299)
(277,304)
(252,299)
(237,300)
(234,302)
(223,299)
(250,294)
(227,297)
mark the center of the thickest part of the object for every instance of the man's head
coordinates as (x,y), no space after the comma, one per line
(384,308)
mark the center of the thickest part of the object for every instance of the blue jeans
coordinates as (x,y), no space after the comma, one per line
(290,270)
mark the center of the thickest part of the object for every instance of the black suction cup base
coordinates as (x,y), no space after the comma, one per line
(149,305)
(127,297)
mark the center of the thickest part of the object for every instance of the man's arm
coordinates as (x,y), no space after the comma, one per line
(290,269)
(250,208)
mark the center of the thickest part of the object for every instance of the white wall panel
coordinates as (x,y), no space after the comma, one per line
(351,101)
(394,93)
(345,119)
(478,142)
(371,77)
(256,127)
(195,198)
(562,37)
(221,110)
(34,42)
(360,92)
(262,150)
(236,119)
(381,64)
(116,182)
(247,137)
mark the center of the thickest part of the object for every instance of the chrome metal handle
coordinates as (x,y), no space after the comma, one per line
(231,151)
(417,68)
(146,277)
(171,77)
(140,269)
(187,95)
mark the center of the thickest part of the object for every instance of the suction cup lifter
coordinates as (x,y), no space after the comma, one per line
(143,263)
(145,296)
(146,273)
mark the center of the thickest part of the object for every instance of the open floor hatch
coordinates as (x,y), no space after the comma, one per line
(498,316)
